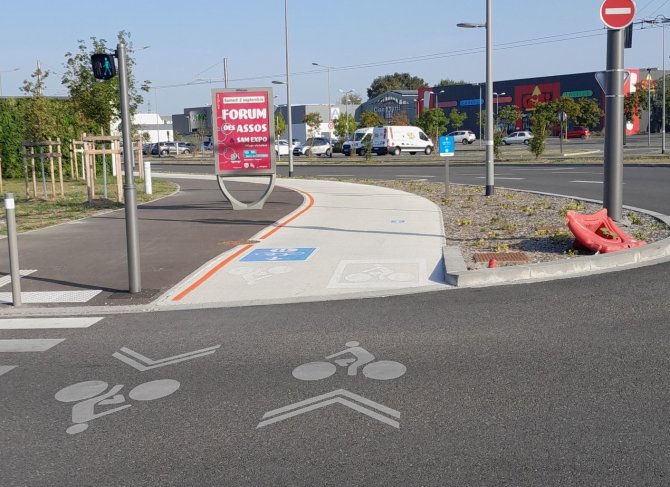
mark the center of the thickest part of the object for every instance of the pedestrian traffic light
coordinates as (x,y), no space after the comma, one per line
(103,66)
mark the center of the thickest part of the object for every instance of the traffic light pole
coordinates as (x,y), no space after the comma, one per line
(613,177)
(129,191)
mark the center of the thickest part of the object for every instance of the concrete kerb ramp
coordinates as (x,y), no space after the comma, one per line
(457,274)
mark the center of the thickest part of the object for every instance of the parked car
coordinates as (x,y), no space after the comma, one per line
(394,139)
(578,133)
(521,137)
(146,149)
(463,136)
(165,148)
(316,146)
(282,148)
(207,145)
(356,144)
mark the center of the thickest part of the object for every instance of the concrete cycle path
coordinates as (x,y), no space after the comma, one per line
(345,240)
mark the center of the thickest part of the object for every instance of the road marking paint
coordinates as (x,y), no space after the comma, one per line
(46,323)
(8,278)
(588,182)
(37,297)
(327,399)
(189,289)
(6,368)
(20,345)
(153,364)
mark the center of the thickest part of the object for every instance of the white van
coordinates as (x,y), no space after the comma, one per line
(355,145)
(394,139)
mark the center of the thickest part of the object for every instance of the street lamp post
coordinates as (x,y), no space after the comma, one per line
(346,110)
(648,106)
(330,121)
(498,95)
(5,71)
(490,185)
(437,94)
(289,120)
(661,19)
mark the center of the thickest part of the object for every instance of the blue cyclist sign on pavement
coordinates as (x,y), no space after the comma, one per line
(273,255)
(447,145)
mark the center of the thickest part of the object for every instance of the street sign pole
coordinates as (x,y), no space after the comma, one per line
(129,192)
(613,177)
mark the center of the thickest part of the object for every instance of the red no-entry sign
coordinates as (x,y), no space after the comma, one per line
(617,14)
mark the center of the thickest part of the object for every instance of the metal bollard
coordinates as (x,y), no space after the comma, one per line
(147,178)
(13,249)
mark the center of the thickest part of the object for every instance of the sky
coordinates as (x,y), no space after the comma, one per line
(358,40)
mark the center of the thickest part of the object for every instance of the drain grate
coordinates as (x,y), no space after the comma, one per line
(500,256)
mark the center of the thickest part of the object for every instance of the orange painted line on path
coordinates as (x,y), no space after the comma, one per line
(220,265)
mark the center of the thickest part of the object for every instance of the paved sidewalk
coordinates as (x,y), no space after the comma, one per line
(345,240)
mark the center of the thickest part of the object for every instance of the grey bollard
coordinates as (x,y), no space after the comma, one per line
(13,249)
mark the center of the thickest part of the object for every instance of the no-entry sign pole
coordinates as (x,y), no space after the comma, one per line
(616,15)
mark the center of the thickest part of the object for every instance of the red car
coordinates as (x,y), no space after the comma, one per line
(578,133)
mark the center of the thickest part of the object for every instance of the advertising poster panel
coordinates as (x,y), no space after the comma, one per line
(244,131)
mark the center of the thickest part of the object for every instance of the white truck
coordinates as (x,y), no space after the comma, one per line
(394,139)
(356,144)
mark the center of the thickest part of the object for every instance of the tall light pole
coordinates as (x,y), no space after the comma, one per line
(490,184)
(5,71)
(648,106)
(330,121)
(661,19)
(498,95)
(346,109)
(288,95)
(437,94)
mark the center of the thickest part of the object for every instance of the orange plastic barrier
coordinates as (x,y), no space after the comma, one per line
(599,233)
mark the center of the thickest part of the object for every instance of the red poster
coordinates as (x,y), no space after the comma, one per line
(244,126)
(526,96)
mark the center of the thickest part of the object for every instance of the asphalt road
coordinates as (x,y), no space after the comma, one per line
(553,383)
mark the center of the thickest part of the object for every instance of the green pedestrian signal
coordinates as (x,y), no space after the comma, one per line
(103,66)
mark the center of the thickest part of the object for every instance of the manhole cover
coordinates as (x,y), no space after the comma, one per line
(500,257)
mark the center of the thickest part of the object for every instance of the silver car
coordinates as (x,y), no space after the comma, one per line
(463,136)
(522,137)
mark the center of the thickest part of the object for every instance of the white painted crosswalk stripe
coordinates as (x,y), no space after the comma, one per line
(4,280)
(6,368)
(37,297)
(47,323)
(21,345)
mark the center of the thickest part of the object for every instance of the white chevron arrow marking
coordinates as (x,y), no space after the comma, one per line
(145,363)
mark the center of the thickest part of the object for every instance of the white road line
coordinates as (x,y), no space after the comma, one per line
(47,323)
(36,297)
(8,278)
(19,345)
(587,182)
(6,368)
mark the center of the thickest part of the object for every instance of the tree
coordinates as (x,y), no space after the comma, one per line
(457,118)
(40,116)
(313,121)
(345,125)
(541,120)
(450,82)
(98,101)
(395,81)
(400,118)
(433,122)
(370,119)
(566,105)
(351,99)
(632,103)
(589,114)
(508,115)
(280,126)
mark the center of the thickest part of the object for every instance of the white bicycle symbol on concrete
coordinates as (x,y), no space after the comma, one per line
(380,273)
(92,393)
(379,370)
